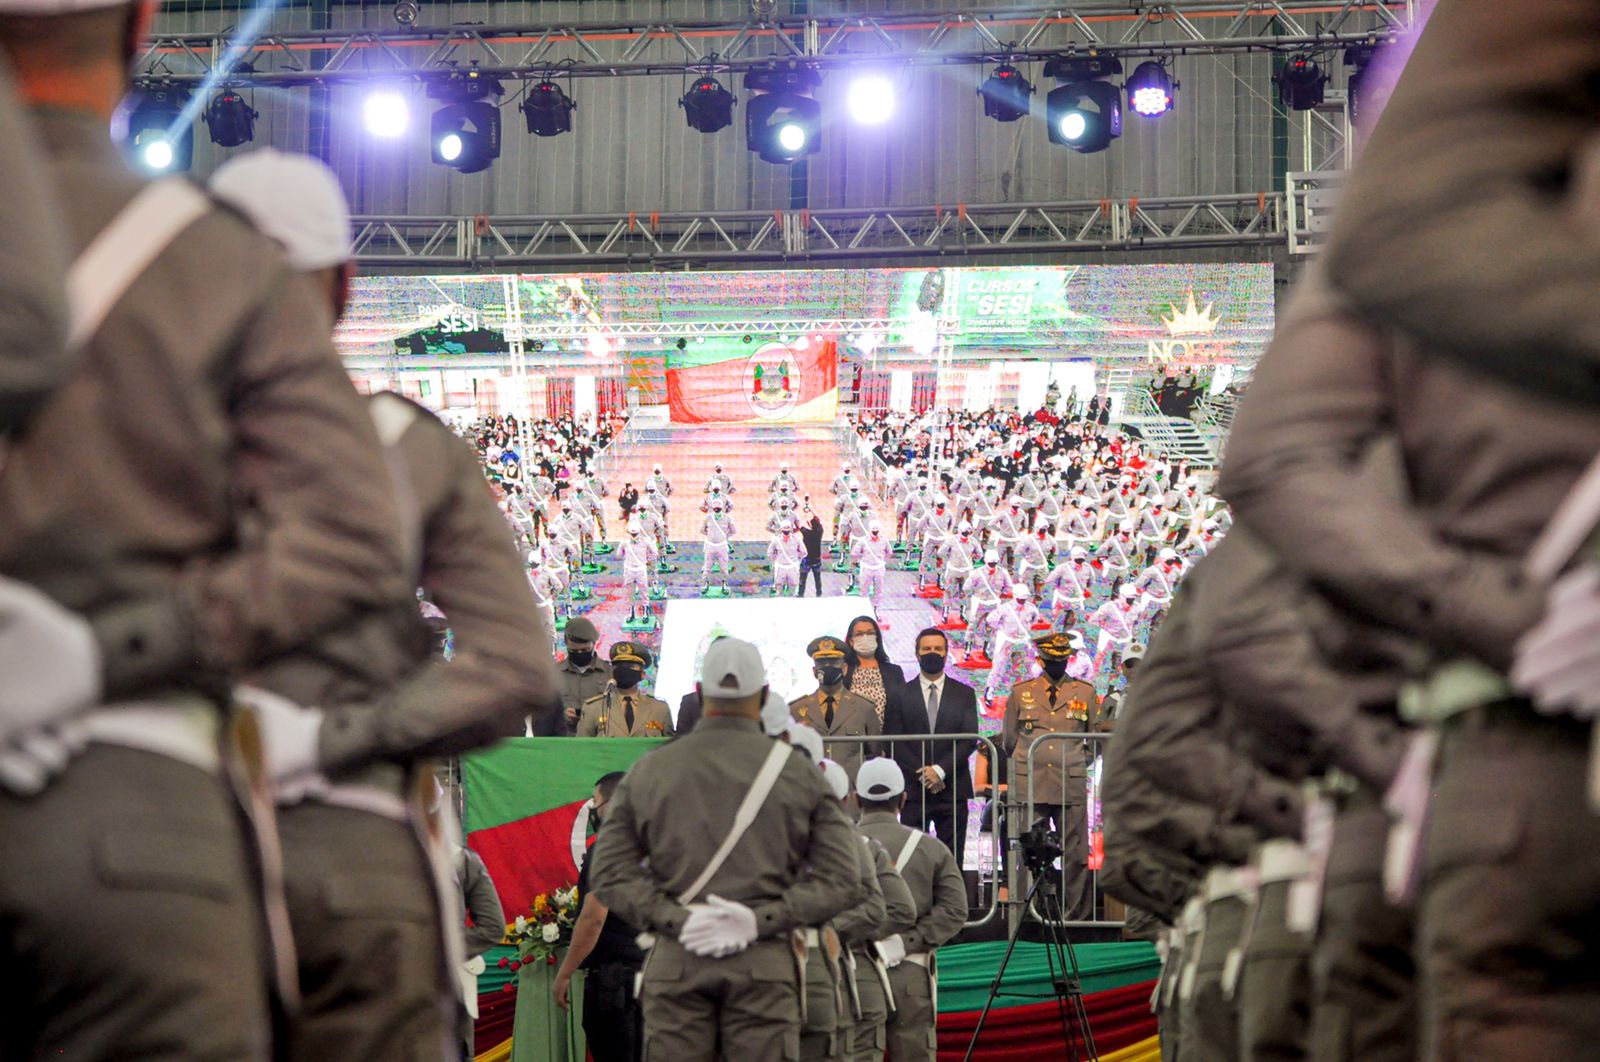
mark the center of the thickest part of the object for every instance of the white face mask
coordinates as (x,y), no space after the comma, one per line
(865,644)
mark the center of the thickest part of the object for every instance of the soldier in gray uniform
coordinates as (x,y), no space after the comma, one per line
(833,711)
(1054,703)
(623,709)
(206,489)
(583,675)
(864,1001)
(722,873)
(34,352)
(930,873)
(1485,468)
(341,764)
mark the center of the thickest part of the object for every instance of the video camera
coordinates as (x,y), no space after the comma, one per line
(1041,846)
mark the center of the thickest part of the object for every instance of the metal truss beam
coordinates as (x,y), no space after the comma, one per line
(730,238)
(645,47)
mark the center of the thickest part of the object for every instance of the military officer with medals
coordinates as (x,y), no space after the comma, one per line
(1054,703)
(834,711)
(623,709)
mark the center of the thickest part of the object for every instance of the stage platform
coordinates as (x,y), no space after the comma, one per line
(750,455)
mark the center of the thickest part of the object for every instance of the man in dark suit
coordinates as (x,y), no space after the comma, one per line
(938,774)
(688,713)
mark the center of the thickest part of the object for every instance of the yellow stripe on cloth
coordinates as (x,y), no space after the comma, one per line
(500,1052)
(1143,1051)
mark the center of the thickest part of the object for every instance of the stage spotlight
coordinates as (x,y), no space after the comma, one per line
(548,109)
(782,122)
(386,114)
(230,120)
(1151,90)
(465,133)
(707,106)
(682,344)
(538,345)
(870,99)
(1006,94)
(1084,112)
(154,138)
(1301,83)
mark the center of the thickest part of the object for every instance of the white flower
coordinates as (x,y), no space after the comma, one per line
(550,932)
(522,924)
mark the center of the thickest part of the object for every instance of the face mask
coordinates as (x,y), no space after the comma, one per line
(931,663)
(1055,668)
(627,675)
(830,676)
(865,644)
(581,657)
(594,821)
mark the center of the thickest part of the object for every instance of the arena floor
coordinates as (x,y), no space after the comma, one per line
(751,455)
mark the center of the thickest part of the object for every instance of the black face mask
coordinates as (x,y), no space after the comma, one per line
(830,676)
(594,821)
(931,663)
(581,657)
(1055,668)
(627,675)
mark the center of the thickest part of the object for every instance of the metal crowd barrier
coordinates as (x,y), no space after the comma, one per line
(838,748)
(1086,817)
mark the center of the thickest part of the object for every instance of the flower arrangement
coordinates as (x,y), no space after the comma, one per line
(545,930)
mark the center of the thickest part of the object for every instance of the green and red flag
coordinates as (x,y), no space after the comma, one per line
(527,808)
(723,380)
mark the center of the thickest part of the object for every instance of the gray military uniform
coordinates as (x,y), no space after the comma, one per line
(940,894)
(831,1000)
(865,1034)
(123,501)
(387,706)
(1486,466)
(853,716)
(607,715)
(795,867)
(581,684)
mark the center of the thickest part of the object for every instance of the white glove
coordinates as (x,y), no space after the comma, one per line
(50,660)
(718,928)
(28,761)
(289,733)
(1557,663)
(893,950)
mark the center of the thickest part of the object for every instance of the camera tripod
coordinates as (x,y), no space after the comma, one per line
(1039,852)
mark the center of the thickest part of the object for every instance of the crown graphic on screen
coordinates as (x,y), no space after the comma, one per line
(1190,321)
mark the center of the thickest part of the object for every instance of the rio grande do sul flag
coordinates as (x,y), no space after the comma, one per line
(727,381)
(527,804)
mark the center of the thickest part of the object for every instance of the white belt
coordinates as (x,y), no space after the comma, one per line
(813,938)
(1282,860)
(1226,883)
(923,959)
(187,730)
(371,799)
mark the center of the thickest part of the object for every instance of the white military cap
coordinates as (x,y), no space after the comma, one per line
(803,737)
(1128,591)
(880,779)
(732,668)
(294,199)
(837,778)
(1021,592)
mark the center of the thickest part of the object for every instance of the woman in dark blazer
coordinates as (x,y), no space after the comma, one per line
(870,674)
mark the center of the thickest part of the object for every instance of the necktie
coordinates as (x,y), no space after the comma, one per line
(933,708)
(627,713)
(827,711)
(1052,698)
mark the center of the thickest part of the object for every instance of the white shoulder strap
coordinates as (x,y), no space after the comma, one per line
(391,416)
(906,851)
(743,818)
(124,249)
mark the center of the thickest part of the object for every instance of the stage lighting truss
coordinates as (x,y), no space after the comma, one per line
(1301,83)
(1006,94)
(1151,90)
(548,109)
(465,132)
(707,105)
(154,139)
(782,122)
(1084,111)
(230,120)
